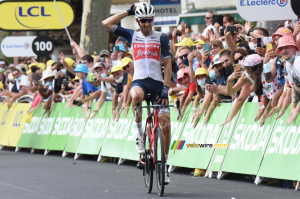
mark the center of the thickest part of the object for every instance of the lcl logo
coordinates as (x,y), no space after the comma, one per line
(34,11)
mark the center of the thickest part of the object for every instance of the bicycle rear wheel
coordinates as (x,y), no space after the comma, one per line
(159,161)
(147,171)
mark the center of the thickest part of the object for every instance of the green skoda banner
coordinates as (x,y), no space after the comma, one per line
(116,135)
(61,128)
(76,130)
(248,143)
(30,129)
(94,132)
(200,141)
(281,158)
(176,129)
(219,153)
(44,131)
(129,152)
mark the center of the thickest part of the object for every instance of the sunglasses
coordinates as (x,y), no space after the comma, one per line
(236,61)
(183,56)
(147,20)
(208,17)
(252,69)
(127,66)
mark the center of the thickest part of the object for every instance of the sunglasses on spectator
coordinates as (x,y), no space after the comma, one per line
(208,17)
(76,81)
(146,20)
(127,66)
(252,69)
(236,61)
(183,56)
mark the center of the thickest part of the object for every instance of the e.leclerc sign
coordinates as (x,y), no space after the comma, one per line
(34,15)
(265,10)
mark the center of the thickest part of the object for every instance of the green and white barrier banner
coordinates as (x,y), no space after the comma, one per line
(174,158)
(248,142)
(200,141)
(61,129)
(94,132)
(30,129)
(281,159)
(116,135)
(77,128)
(44,131)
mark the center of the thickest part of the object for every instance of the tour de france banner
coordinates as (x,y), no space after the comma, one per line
(176,130)
(44,131)
(248,142)
(94,132)
(77,128)
(30,129)
(12,123)
(61,128)
(281,158)
(199,142)
(116,134)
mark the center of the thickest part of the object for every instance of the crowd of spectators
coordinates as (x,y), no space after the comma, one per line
(228,62)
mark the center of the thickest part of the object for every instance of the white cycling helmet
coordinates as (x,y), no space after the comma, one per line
(144,10)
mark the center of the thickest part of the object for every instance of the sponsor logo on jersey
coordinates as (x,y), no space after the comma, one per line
(149,50)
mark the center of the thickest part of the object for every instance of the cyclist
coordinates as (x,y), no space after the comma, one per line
(149,47)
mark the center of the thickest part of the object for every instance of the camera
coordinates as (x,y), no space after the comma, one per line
(178,33)
(102,59)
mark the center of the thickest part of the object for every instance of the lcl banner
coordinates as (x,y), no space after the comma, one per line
(265,10)
(34,15)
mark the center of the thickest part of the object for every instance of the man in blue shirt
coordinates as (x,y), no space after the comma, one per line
(81,71)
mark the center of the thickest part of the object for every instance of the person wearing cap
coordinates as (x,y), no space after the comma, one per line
(199,45)
(68,63)
(127,65)
(183,78)
(124,82)
(128,54)
(81,71)
(288,50)
(46,89)
(107,56)
(107,88)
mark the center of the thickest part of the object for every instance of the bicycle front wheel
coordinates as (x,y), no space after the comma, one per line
(159,161)
(148,172)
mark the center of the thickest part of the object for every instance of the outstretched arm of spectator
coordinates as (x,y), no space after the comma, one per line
(276,109)
(175,40)
(91,97)
(195,105)
(126,90)
(212,107)
(114,105)
(206,101)
(69,68)
(245,92)
(187,102)
(100,103)
(79,50)
(229,40)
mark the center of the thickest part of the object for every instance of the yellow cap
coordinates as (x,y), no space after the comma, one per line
(199,42)
(125,61)
(32,65)
(201,71)
(42,66)
(76,78)
(1,86)
(50,62)
(185,42)
(70,61)
(128,53)
(115,69)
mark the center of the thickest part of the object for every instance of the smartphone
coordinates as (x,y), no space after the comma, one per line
(102,59)
(206,47)
(193,48)
(232,29)
(258,42)
(123,39)
(236,66)
(217,19)
(178,33)
(269,47)
(117,48)
(208,81)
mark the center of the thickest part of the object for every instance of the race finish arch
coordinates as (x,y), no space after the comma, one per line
(265,10)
